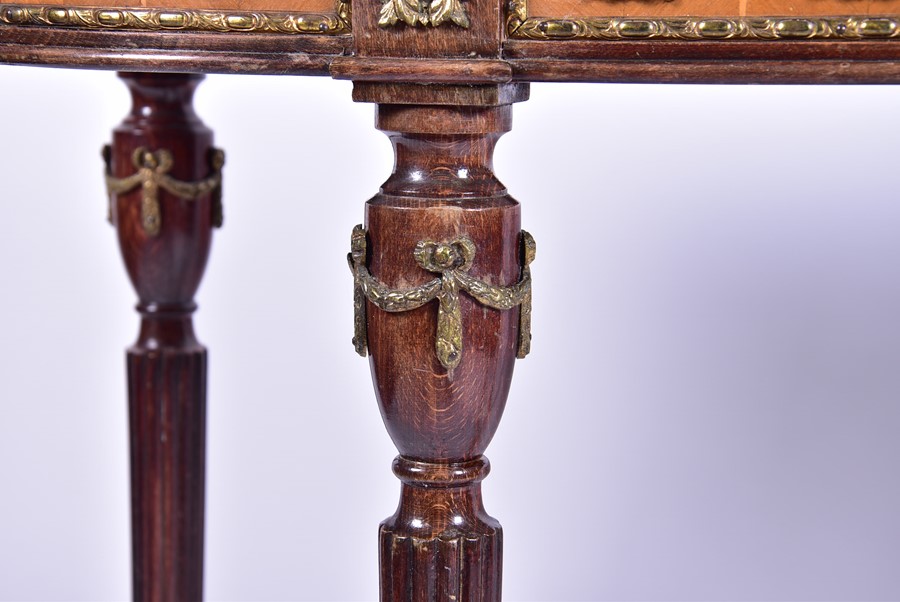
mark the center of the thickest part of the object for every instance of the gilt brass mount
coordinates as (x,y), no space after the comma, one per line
(423,12)
(520,25)
(167,19)
(452,261)
(152,174)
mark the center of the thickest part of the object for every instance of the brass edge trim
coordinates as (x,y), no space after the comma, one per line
(451,260)
(520,26)
(168,19)
(152,174)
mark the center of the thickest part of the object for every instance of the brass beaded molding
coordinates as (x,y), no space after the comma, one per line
(167,19)
(521,26)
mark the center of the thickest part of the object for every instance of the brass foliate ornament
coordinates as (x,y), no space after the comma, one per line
(452,260)
(152,174)
(423,12)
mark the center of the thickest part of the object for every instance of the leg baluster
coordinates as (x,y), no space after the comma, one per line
(441,274)
(164,180)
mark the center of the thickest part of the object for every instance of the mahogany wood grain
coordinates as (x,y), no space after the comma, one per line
(642,52)
(174,52)
(480,40)
(721,62)
(648,61)
(167,365)
(707,72)
(452,95)
(441,544)
(422,70)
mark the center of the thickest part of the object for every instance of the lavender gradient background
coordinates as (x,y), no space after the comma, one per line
(711,410)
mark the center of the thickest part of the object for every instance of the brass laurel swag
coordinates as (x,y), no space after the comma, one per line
(152,174)
(452,261)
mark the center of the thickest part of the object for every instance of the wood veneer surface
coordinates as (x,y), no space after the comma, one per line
(709,8)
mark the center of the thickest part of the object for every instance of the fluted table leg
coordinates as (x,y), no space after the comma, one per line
(443,296)
(164,181)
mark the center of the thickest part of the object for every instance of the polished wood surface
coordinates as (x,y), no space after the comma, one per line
(488,51)
(441,544)
(722,62)
(173,52)
(479,40)
(167,365)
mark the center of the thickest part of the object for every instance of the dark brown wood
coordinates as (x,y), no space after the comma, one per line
(446,95)
(422,70)
(441,544)
(178,52)
(705,72)
(719,62)
(167,365)
(451,54)
(648,51)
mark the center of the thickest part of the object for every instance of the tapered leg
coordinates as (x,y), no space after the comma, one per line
(164,182)
(443,295)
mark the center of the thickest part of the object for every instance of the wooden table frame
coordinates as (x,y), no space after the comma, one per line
(441,268)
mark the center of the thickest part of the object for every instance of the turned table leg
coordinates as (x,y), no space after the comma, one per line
(163,177)
(443,297)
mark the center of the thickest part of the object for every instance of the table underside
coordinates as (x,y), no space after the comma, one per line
(680,41)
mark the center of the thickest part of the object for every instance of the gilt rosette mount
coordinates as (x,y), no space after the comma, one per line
(452,260)
(153,173)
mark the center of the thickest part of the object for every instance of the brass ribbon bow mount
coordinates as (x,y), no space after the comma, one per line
(452,261)
(153,173)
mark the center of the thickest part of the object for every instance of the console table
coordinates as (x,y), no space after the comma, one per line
(447,100)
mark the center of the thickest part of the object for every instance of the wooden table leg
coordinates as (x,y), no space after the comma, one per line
(164,180)
(443,295)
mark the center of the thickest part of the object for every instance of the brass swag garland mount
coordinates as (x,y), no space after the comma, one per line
(452,261)
(152,174)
